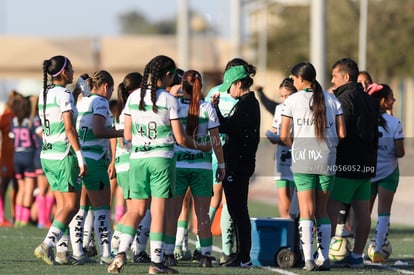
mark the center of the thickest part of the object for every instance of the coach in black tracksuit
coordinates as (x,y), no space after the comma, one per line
(242,130)
(356,155)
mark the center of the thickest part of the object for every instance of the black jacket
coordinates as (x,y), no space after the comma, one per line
(356,155)
(242,128)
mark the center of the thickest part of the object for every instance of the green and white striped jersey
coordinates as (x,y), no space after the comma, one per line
(55,141)
(89,106)
(207,119)
(123,148)
(151,132)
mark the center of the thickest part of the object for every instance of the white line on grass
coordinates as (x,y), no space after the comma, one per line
(279,270)
(390,268)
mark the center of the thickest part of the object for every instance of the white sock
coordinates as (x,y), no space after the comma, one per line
(324,239)
(143,232)
(76,233)
(115,240)
(381,234)
(168,248)
(306,238)
(103,230)
(125,243)
(52,236)
(180,235)
(88,228)
(156,251)
(62,244)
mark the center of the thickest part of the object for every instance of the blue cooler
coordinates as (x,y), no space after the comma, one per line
(269,236)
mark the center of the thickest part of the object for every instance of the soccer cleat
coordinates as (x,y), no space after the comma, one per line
(310,266)
(45,253)
(80,260)
(205,261)
(196,256)
(117,264)
(160,268)
(90,251)
(246,264)
(325,266)
(6,223)
(226,258)
(350,261)
(169,260)
(106,259)
(141,257)
(377,258)
(236,262)
(62,258)
(182,255)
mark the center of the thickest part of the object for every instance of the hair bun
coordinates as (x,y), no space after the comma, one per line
(373,88)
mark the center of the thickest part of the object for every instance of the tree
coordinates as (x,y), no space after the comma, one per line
(134,22)
(390,29)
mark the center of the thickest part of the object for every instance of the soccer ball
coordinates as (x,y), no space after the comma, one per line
(385,251)
(339,248)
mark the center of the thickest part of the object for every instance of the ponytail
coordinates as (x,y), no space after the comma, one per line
(192,84)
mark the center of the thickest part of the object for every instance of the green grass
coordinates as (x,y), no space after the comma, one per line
(17,245)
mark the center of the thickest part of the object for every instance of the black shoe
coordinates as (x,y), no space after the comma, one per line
(232,263)
(196,256)
(236,262)
(160,268)
(142,258)
(90,251)
(227,258)
(169,260)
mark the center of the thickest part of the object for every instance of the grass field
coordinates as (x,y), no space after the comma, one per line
(17,245)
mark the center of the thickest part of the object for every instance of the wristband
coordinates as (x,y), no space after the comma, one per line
(81,160)
(221,165)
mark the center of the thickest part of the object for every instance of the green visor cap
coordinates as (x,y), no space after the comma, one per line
(231,75)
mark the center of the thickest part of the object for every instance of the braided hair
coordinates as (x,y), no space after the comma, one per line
(287,83)
(192,84)
(131,82)
(155,70)
(100,78)
(53,67)
(318,108)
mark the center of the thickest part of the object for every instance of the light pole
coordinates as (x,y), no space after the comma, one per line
(183,34)
(318,38)
(362,51)
(235,28)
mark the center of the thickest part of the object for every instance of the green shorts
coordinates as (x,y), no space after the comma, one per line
(152,177)
(199,181)
(305,182)
(347,190)
(285,184)
(96,177)
(390,182)
(62,175)
(122,179)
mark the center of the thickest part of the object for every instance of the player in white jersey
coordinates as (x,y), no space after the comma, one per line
(283,157)
(152,123)
(317,121)
(94,127)
(130,83)
(194,169)
(390,148)
(61,155)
